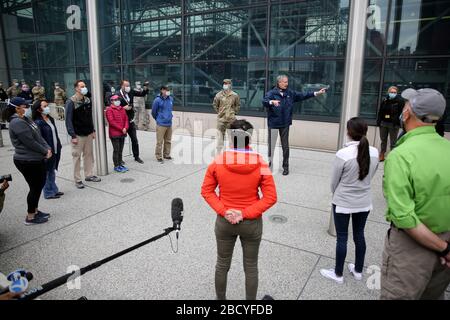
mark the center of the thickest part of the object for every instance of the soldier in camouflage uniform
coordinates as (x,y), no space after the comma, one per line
(14,90)
(38,92)
(227,105)
(60,95)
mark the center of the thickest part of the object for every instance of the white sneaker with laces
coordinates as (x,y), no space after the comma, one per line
(356,275)
(330,274)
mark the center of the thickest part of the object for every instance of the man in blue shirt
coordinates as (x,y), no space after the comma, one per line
(279,103)
(162,112)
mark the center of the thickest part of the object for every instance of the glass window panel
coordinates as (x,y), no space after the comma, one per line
(308,76)
(65,76)
(108,12)
(81,48)
(151,41)
(51,16)
(136,10)
(158,75)
(204,80)
(376,27)
(55,50)
(227,35)
(419,27)
(82,5)
(28,75)
(111,78)
(309,28)
(4,78)
(19,22)
(206,5)
(22,53)
(418,74)
(370,88)
(110,45)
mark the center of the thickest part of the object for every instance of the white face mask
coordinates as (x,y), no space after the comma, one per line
(28,113)
(84,91)
(116,103)
(226,87)
(138,87)
(57,87)
(46,111)
(168,94)
(113,90)
(127,89)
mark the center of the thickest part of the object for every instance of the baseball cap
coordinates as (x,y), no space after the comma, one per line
(17,101)
(115,97)
(427,104)
(227,81)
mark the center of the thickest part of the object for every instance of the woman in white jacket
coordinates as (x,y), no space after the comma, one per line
(354,167)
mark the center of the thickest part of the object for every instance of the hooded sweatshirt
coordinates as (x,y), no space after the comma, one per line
(239,174)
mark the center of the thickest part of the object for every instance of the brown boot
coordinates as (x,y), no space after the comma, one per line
(382,157)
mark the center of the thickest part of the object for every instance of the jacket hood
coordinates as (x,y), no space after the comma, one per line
(240,161)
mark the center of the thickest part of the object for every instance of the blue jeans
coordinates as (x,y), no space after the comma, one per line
(341,222)
(50,188)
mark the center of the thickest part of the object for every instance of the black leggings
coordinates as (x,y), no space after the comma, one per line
(35,174)
(118,143)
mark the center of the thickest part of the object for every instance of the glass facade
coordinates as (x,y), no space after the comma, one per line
(192,45)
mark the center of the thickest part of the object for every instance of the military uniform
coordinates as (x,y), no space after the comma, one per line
(227,104)
(142,116)
(3,95)
(38,93)
(60,96)
(14,90)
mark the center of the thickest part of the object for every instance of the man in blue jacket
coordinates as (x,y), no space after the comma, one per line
(279,103)
(162,112)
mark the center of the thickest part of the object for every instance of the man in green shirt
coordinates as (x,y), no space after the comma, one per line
(416,257)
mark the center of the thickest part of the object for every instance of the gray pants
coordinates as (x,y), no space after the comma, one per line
(250,233)
(392,132)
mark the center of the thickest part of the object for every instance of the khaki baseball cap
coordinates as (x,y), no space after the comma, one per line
(427,104)
(227,81)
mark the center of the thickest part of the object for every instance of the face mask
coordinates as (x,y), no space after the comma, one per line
(26,89)
(127,89)
(46,111)
(28,113)
(16,84)
(116,103)
(392,95)
(113,90)
(84,91)
(57,87)
(138,87)
(168,94)
(226,87)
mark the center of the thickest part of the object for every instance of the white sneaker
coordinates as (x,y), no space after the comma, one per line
(330,274)
(356,275)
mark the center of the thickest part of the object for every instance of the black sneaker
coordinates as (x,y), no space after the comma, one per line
(168,158)
(79,185)
(285,172)
(53,197)
(60,194)
(160,160)
(139,160)
(37,220)
(43,215)
(93,179)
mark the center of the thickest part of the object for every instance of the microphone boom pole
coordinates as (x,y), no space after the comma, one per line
(36,292)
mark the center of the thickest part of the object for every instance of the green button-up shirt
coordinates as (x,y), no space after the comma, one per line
(417,181)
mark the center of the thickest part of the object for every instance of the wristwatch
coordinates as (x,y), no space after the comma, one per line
(446,251)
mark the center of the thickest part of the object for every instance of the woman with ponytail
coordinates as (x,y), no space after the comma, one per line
(354,167)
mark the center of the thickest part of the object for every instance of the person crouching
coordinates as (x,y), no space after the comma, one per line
(118,127)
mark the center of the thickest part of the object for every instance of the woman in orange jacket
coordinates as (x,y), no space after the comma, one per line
(240,174)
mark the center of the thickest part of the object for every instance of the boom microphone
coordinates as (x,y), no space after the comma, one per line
(177,214)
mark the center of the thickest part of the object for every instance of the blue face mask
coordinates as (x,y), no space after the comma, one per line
(28,113)
(392,95)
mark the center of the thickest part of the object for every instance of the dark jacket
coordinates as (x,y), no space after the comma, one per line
(79,120)
(3,95)
(28,96)
(390,110)
(124,102)
(29,145)
(281,117)
(47,134)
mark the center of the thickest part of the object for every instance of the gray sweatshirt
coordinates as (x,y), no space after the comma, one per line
(27,140)
(350,194)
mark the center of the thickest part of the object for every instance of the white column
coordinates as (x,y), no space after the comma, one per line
(97,87)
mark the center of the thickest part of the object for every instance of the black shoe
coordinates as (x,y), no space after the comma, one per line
(35,220)
(53,197)
(79,185)
(93,179)
(43,215)
(285,171)
(160,160)
(168,158)
(139,160)
(60,194)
